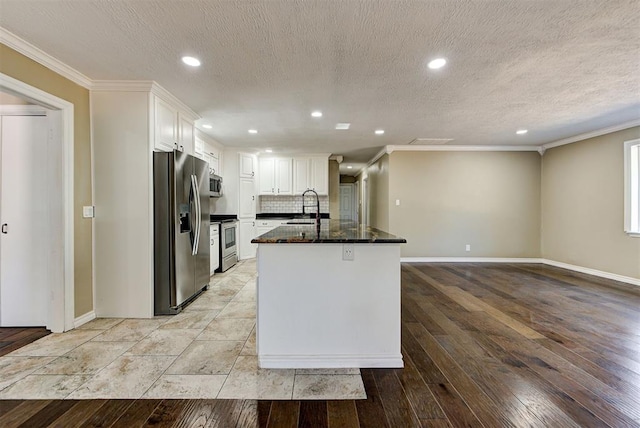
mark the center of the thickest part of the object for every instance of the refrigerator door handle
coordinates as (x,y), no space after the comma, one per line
(196,197)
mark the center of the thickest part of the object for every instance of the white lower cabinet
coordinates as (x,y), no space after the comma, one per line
(215,247)
(247,233)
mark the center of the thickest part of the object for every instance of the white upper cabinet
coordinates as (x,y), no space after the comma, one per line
(311,172)
(267,176)
(275,176)
(198,149)
(300,175)
(166,125)
(186,134)
(173,129)
(247,165)
(284,179)
(319,176)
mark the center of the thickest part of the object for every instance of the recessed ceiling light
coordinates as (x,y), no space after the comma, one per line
(253,131)
(316,114)
(437,63)
(189,60)
(343,126)
(379,131)
(521,131)
(349,167)
(207,126)
(269,151)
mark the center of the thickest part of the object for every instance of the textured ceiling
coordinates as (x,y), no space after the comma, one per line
(557,68)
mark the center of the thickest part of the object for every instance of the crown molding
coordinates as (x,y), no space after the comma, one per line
(409,148)
(592,134)
(168,96)
(38,55)
(122,85)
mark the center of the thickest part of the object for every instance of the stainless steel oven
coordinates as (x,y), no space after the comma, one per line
(228,245)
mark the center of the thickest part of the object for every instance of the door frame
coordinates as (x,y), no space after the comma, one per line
(61,315)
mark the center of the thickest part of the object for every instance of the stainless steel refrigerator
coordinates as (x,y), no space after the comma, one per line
(181,229)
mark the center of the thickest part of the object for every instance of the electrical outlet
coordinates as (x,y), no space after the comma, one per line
(347,252)
(468,247)
(397,202)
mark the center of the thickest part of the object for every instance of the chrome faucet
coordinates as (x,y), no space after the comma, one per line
(317,205)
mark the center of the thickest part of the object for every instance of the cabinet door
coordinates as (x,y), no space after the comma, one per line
(186,134)
(166,126)
(320,175)
(300,175)
(247,167)
(247,233)
(247,195)
(284,185)
(198,149)
(267,176)
(214,165)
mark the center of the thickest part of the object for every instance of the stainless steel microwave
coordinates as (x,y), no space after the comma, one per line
(215,186)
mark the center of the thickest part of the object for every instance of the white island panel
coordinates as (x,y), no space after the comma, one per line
(316,310)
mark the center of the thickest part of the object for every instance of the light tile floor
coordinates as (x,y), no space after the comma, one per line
(207,351)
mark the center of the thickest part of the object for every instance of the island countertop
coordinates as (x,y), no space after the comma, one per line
(330,232)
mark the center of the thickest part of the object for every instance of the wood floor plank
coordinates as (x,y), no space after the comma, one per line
(196,413)
(371,413)
(8,405)
(136,414)
(422,401)
(313,414)
(396,404)
(27,408)
(49,413)
(166,413)
(264,410)
(454,406)
(78,415)
(342,414)
(108,413)
(225,413)
(284,414)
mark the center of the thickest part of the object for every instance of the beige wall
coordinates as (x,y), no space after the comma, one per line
(583,205)
(490,200)
(26,70)
(378,182)
(334,189)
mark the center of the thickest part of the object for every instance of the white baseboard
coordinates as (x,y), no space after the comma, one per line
(329,361)
(83,319)
(469,260)
(594,272)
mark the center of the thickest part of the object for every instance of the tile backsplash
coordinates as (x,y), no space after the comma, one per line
(290,204)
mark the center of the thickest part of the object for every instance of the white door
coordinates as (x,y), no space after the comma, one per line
(24,241)
(347,206)
(247,233)
(267,176)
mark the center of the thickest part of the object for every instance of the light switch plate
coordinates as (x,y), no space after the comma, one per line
(397,202)
(87,212)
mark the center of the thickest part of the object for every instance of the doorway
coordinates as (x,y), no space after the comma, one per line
(49,199)
(348,205)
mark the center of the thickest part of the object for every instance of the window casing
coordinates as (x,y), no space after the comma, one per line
(632,187)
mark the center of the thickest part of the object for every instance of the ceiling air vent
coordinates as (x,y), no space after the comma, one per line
(430,141)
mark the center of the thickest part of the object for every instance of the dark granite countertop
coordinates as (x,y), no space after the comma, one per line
(286,216)
(218,218)
(331,232)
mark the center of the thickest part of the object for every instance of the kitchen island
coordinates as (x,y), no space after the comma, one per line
(328,297)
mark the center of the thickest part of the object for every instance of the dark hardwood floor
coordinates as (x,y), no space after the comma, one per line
(12,338)
(494,345)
